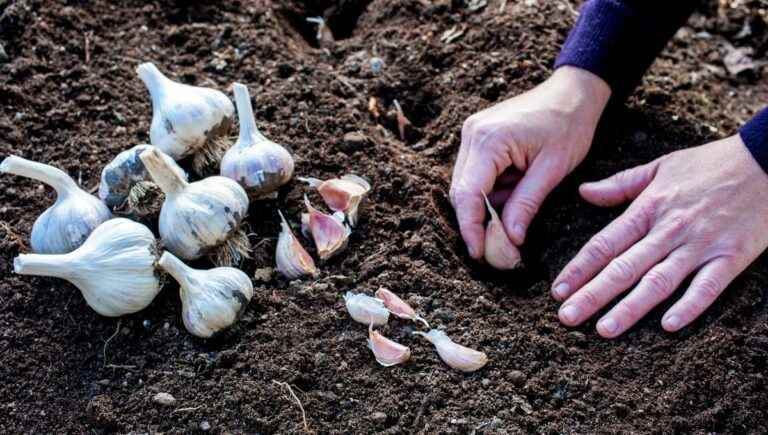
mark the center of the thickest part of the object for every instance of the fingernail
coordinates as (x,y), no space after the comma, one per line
(570,313)
(672,323)
(561,291)
(609,325)
(518,231)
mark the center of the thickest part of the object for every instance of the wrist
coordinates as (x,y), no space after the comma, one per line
(580,92)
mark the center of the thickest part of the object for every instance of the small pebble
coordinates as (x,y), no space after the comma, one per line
(146,324)
(263,274)
(205,426)
(164,399)
(517,377)
(377,64)
(486,382)
(379,417)
(443,314)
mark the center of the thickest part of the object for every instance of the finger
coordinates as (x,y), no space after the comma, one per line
(620,187)
(706,286)
(499,197)
(477,179)
(466,141)
(655,287)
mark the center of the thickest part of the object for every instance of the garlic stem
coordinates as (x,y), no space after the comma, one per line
(152,78)
(175,267)
(249,132)
(169,180)
(54,177)
(56,265)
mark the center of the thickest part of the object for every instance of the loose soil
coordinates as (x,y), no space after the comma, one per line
(70,97)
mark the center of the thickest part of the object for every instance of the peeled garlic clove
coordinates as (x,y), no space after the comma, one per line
(455,355)
(386,351)
(330,235)
(365,309)
(186,120)
(398,307)
(211,300)
(342,194)
(126,177)
(114,268)
(293,261)
(500,252)
(67,223)
(199,218)
(257,163)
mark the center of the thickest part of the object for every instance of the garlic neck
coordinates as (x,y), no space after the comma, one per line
(54,177)
(59,266)
(153,79)
(249,133)
(169,180)
(176,268)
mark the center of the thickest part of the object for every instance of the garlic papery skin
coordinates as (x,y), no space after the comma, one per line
(199,218)
(365,309)
(211,300)
(258,164)
(65,225)
(500,252)
(342,194)
(292,259)
(186,120)
(387,352)
(114,269)
(399,307)
(125,183)
(455,355)
(329,233)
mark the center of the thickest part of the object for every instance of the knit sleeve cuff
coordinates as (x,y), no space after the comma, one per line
(755,136)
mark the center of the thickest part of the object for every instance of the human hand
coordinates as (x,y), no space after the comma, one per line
(517,151)
(702,210)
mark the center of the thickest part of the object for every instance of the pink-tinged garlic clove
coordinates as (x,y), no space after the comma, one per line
(455,355)
(365,309)
(399,307)
(342,194)
(292,259)
(387,352)
(500,252)
(329,234)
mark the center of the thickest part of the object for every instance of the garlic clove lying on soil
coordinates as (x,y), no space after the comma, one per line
(386,351)
(292,259)
(399,307)
(211,300)
(500,252)
(186,120)
(455,355)
(200,218)
(67,223)
(114,268)
(258,164)
(328,232)
(365,309)
(125,183)
(342,194)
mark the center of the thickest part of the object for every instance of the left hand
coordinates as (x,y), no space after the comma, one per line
(702,210)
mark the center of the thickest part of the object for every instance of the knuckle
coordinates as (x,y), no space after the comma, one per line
(658,283)
(527,205)
(627,310)
(637,225)
(469,124)
(621,270)
(649,209)
(708,288)
(589,298)
(574,273)
(599,249)
(678,225)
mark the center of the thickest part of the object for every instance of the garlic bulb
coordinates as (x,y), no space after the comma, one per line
(455,355)
(292,259)
(114,268)
(199,218)
(500,252)
(386,351)
(211,300)
(329,232)
(125,183)
(257,163)
(186,120)
(342,194)
(67,223)
(365,309)
(398,307)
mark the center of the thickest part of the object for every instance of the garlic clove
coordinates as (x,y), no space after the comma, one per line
(455,355)
(386,351)
(365,309)
(292,259)
(398,307)
(70,220)
(211,300)
(186,120)
(330,235)
(114,268)
(342,194)
(500,252)
(258,164)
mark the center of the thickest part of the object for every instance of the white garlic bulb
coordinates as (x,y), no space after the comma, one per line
(292,259)
(455,355)
(365,309)
(342,195)
(329,232)
(399,307)
(386,351)
(68,222)
(186,120)
(125,182)
(211,300)
(500,252)
(199,218)
(114,268)
(257,163)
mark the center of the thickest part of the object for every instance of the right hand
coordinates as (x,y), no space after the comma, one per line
(517,151)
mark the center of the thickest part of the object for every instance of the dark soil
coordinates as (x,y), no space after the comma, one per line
(70,97)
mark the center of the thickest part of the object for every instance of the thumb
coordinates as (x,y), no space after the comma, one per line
(467,192)
(620,187)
